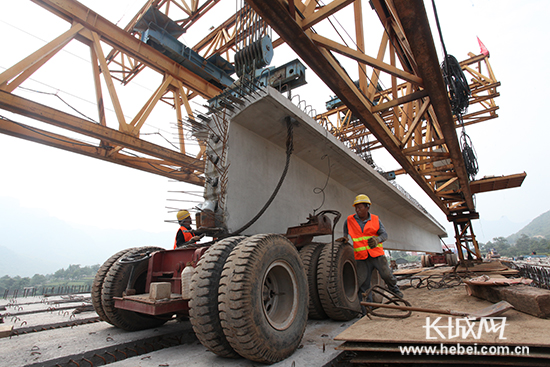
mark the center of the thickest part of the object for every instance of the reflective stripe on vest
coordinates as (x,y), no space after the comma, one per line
(186,236)
(360,238)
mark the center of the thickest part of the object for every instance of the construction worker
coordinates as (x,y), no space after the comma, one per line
(367,234)
(185,233)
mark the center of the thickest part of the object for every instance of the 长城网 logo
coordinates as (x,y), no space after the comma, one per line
(453,328)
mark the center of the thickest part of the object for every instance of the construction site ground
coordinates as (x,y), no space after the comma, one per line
(173,344)
(362,341)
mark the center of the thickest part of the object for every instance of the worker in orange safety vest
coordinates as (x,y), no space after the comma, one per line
(185,233)
(367,234)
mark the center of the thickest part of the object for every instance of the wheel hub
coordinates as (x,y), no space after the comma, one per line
(279,295)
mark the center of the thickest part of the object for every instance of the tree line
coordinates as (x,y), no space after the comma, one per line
(74,273)
(524,246)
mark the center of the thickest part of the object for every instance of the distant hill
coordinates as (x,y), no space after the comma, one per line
(540,226)
(32,242)
(486,230)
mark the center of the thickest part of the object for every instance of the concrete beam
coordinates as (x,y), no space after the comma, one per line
(256,158)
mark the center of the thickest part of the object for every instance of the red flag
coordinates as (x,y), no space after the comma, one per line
(482,47)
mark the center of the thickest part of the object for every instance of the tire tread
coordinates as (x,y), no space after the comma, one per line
(330,282)
(203,312)
(113,286)
(235,301)
(310,258)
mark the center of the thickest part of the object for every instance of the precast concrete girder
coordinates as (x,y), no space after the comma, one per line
(327,68)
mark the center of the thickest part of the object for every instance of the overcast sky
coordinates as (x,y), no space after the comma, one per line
(83,190)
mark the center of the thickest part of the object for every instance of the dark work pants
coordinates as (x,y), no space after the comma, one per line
(364,274)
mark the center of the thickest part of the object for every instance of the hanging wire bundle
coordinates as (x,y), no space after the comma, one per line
(459,93)
(469,154)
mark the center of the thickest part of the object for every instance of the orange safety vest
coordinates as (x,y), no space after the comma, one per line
(360,238)
(186,236)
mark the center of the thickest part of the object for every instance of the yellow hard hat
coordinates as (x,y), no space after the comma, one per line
(361,198)
(182,214)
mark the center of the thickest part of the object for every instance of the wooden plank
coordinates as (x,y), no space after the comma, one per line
(388,358)
(521,328)
(5,330)
(531,300)
(477,267)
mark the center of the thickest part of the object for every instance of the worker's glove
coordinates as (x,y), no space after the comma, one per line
(373,242)
(342,239)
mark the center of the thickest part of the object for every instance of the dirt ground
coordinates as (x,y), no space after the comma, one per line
(519,329)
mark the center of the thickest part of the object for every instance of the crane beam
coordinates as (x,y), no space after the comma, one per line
(73,11)
(25,107)
(414,20)
(155,166)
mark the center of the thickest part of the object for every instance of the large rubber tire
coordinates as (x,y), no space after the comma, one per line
(263,298)
(337,281)
(204,312)
(451,259)
(115,284)
(310,257)
(426,261)
(97,285)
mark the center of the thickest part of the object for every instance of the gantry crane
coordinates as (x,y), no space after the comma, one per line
(411,119)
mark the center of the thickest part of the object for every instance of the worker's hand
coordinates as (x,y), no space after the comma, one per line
(195,238)
(342,239)
(373,242)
